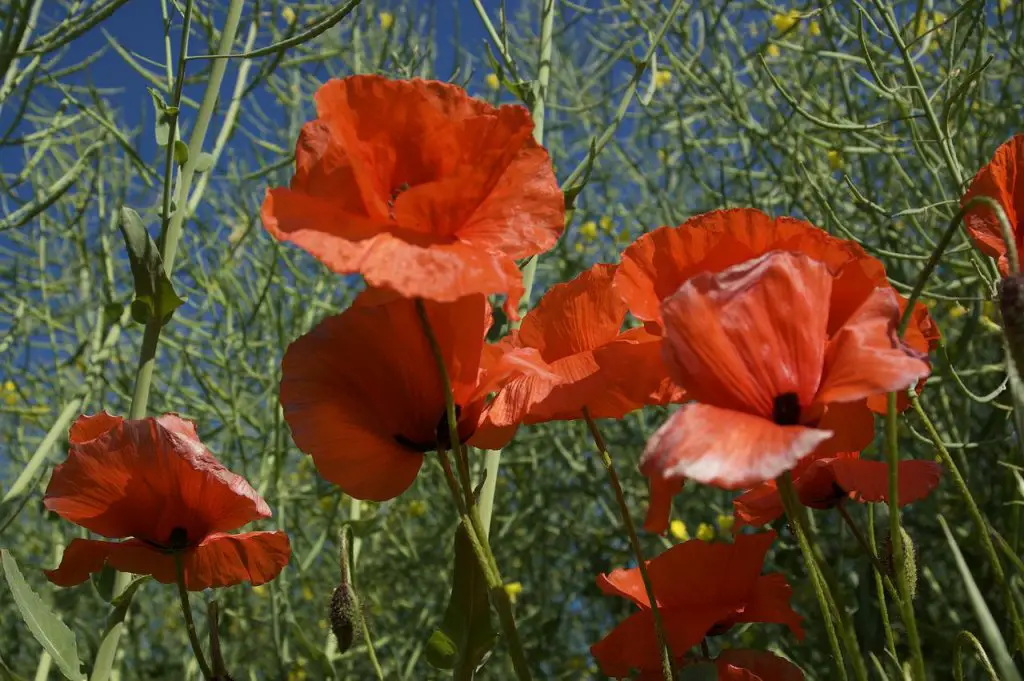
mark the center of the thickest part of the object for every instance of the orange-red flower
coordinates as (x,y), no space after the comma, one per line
(751,345)
(153,482)
(1002,180)
(363,394)
(577,330)
(824,481)
(702,589)
(659,262)
(420,188)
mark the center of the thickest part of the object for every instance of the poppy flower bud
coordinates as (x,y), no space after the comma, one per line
(342,615)
(909,560)
(1011,308)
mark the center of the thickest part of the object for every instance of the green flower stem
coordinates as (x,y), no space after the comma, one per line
(470,516)
(868,548)
(170,237)
(347,567)
(896,538)
(794,511)
(980,524)
(186,611)
(890,639)
(667,668)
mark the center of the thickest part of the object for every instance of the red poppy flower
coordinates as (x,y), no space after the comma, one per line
(152,480)
(751,345)
(659,262)
(823,481)
(740,665)
(363,395)
(702,589)
(577,330)
(420,188)
(1002,180)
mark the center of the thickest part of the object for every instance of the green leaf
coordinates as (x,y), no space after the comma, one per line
(106,653)
(204,162)
(46,627)
(989,629)
(154,293)
(103,582)
(466,634)
(180,152)
(164,115)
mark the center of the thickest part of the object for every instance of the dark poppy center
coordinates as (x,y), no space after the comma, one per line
(786,409)
(442,435)
(178,539)
(719,628)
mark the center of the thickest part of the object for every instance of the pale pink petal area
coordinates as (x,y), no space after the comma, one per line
(725,448)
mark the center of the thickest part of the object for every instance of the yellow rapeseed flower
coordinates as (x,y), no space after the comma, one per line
(814,28)
(835,159)
(588,230)
(662,78)
(417,508)
(288,14)
(260,590)
(387,20)
(606,223)
(990,325)
(784,22)
(10,393)
(773,50)
(1004,5)
(705,532)
(492,81)
(513,589)
(579,247)
(725,522)
(307,594)
(678,530)
(957,311)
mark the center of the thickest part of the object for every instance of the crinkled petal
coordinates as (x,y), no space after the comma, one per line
(770,603)
(145,478)
(228,559)
(740,338)
(1002,180)
(758,506)
(866,357)
(728,449)
(86,428)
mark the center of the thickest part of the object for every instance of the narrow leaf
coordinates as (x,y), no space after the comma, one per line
(164,115)
(467,621)
(45,625)
(154,293)
(989,628)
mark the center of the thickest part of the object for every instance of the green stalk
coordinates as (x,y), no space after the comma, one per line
(667,668)
(896,538)
(169,245)
(186,611)
(470,516)
(794,511)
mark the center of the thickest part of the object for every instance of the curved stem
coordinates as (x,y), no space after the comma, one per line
(469,514)
(868,549)
(896,539)
(659,627)
(190,625)
(890,639)
(794,511)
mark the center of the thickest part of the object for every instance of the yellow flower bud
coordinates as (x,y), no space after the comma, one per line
(725,522)
(288,14)
(492,81)
(588,230)
(513,589)
(662,78)
(678,530)
(705,532)
(387,20)
(835,159)
(784,22)
(773,50)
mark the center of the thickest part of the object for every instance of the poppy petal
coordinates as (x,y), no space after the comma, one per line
(659,507)
(868,481)
(228,559)
(363,385)
(725,448)
(866,357)
(86,428)
(758,506)
(741,337)
(1002,180)
(143,479)
(626,583)
(852,425)
(755,665)
(770,603)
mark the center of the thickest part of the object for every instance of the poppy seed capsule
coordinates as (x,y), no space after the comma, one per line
(909,560)
(1011,309)
(342,615)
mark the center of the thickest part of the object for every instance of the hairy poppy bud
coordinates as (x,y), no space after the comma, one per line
(342,615)
(1011,308)
(909,561)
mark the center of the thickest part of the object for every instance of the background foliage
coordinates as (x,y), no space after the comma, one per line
(870,140)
